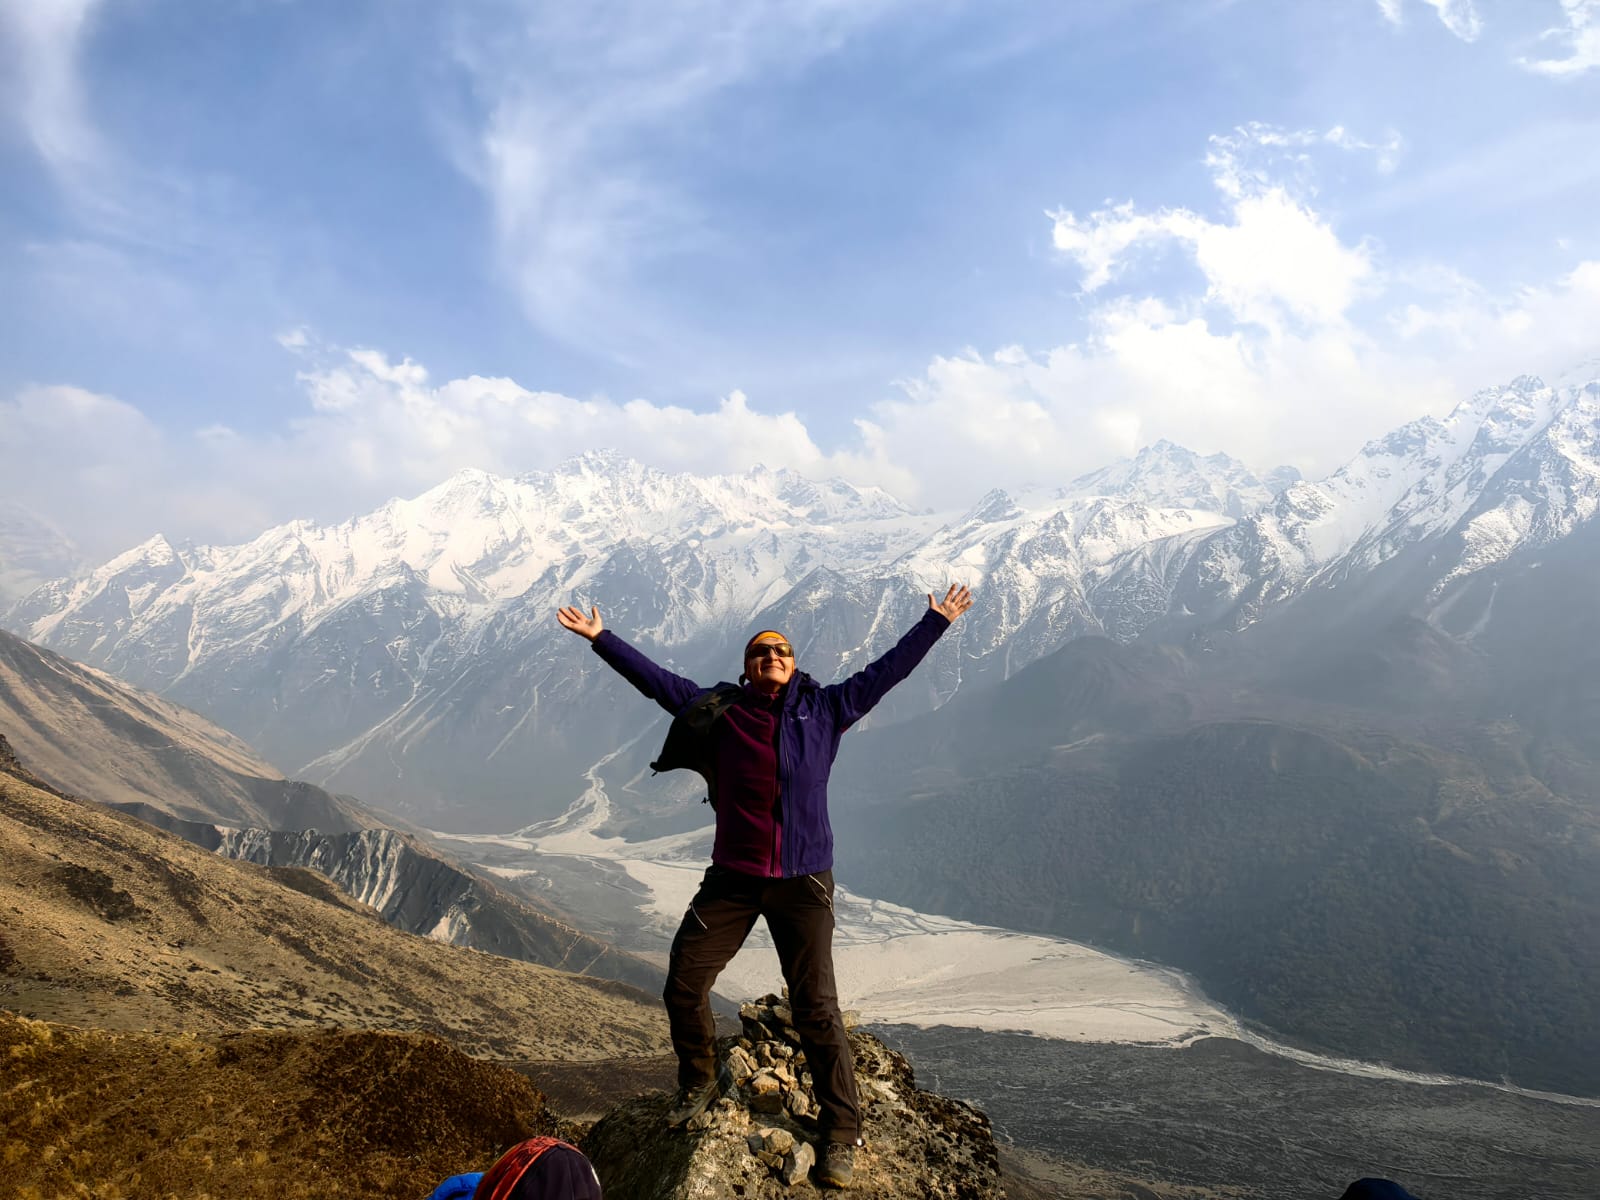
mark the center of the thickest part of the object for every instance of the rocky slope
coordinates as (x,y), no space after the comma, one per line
(410,886)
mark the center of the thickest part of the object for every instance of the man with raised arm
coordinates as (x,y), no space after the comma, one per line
(765,747)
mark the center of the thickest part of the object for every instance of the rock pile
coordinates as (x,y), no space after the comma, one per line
(758,1141)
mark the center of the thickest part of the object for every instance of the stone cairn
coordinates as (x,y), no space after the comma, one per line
(764,1069)
(757,1140)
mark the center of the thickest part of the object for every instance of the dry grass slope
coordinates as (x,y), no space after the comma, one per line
(274,1116)
(110,923)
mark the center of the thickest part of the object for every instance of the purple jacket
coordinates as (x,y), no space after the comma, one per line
(814,719)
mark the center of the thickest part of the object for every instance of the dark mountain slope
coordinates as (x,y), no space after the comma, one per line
(1355,891)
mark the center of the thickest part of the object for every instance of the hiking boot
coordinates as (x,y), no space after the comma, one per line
(838,1165)
(690,1102)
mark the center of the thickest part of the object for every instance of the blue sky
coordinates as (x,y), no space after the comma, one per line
(269,258)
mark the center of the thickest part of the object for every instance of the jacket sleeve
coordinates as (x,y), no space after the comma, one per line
(672,692)
(855,697)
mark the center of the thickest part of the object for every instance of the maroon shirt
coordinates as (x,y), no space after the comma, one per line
(749,832)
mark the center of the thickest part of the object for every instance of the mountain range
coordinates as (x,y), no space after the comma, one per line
(410,653)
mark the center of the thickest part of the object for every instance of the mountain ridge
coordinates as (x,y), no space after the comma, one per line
(410,653)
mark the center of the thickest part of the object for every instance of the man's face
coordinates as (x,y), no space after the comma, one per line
(766,667)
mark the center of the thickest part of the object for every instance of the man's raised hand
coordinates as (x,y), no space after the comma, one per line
(584,626)
(956,601)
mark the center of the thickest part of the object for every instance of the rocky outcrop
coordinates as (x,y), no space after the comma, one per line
(418,891)
(759,1140)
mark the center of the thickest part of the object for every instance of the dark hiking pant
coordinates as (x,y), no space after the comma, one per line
(799,913)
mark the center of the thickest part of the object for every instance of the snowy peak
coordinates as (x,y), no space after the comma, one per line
(1415,482)
(32,551)
(835,500)
(1544,492)
(996,505)
(1166,475)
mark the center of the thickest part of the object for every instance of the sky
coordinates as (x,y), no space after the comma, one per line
(278,259)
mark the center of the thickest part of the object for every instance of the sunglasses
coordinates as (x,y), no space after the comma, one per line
(772,649)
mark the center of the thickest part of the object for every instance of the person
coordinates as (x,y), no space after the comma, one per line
(1376,1189)
(538,1168)
(765,747)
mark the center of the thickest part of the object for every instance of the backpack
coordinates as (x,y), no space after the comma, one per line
(688,743)
(567,1176)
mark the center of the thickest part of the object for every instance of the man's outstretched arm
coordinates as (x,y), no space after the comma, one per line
(857,695)
(670,691)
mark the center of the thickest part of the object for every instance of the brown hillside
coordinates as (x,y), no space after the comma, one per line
(111,923)
(278,1116)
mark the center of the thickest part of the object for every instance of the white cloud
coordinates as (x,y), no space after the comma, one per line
(129,206)
(392,425)
(1276,261)
(1460,17)
(562,152)
(1145,372)
(42,39)
(85,459)
(1579,38)
(1278,356)
(1548,326)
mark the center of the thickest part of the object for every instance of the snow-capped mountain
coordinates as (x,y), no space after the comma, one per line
(1444,484)
(32,551)
(1169,475)
(411,655)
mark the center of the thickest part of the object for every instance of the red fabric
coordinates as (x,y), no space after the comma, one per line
(500,1180)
